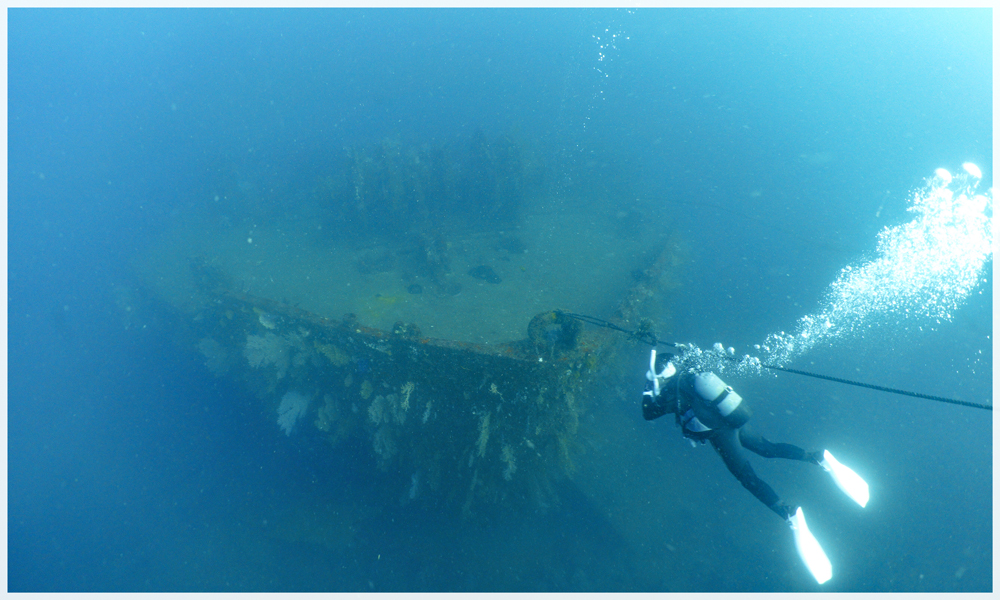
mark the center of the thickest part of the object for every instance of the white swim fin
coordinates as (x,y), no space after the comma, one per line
(847,480)
(809,549)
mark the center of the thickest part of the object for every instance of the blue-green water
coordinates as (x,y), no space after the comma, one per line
(775,143)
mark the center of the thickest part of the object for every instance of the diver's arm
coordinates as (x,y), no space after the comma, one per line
(658,399)
(654,407)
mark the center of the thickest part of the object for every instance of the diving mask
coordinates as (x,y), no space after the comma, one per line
(668,371)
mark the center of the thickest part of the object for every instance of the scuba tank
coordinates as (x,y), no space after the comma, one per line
(723,399)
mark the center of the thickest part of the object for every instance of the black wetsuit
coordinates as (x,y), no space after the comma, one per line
(678,396)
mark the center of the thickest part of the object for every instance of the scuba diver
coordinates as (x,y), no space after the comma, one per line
(708,410)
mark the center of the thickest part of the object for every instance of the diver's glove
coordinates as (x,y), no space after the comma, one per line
(657,379)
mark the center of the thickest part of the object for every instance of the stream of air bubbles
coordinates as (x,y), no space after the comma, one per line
(924,270)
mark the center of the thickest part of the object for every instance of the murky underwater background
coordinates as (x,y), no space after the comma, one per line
(765,148)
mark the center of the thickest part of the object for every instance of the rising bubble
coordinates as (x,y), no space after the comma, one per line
(923,272)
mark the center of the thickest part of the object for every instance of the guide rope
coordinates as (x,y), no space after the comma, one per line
(648,337)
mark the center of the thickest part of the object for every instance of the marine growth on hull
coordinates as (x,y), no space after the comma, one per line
(407,299)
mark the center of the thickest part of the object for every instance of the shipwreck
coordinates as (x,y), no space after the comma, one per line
(433,336)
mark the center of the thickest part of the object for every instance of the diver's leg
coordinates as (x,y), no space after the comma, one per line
(727,445)
(758,444)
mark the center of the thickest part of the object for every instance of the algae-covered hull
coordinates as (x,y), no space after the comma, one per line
(452,365)
(465,423)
